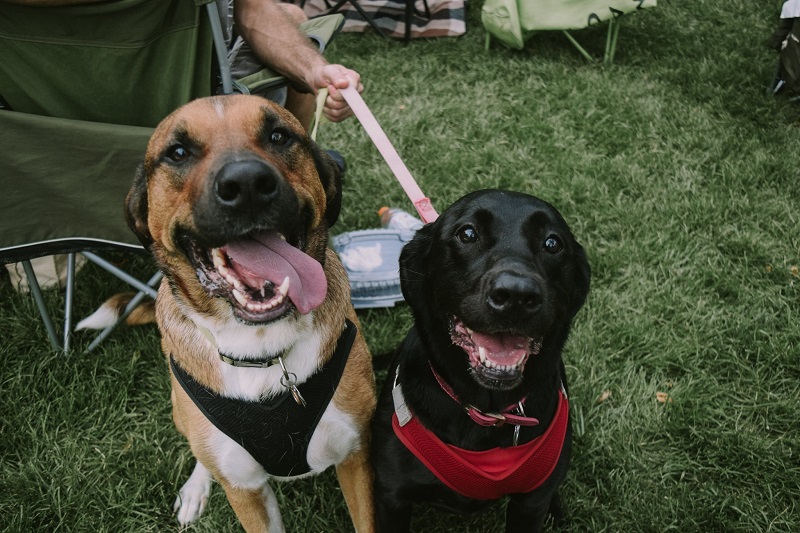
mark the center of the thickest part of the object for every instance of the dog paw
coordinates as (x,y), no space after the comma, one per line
(193,496)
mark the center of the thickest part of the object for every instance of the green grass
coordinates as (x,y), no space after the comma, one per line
(678,175)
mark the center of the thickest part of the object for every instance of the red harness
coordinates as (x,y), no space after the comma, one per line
(489,474)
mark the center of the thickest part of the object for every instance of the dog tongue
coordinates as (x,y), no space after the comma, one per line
(269,257)
(502,349)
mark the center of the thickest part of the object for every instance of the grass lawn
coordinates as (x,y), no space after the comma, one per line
(677,174)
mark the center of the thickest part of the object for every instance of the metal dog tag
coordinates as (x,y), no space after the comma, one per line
(520,412)
(298,398)
(400,407)
(290,383)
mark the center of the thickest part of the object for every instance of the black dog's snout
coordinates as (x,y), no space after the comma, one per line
(246,184)
(511,292)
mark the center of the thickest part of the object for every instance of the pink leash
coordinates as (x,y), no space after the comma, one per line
(398,168)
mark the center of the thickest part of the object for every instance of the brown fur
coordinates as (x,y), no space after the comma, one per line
(163,202)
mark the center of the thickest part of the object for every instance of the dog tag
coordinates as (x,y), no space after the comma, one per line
(298,398)
(400,407)
(291,384)
(520,412)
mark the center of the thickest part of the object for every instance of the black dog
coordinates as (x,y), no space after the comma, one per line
(493,284)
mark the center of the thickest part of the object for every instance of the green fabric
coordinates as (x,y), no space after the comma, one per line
(65,179)
(513,21)
(122,61)
(501,20)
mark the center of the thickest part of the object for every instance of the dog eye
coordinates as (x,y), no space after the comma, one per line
(278,138)
(178,153)
(467,235)
(553,244)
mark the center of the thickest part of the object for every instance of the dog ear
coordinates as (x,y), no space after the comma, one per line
(136,207)
(583,274)
(414,264)
(330,174)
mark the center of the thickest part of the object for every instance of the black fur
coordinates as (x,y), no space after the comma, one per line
(487,245)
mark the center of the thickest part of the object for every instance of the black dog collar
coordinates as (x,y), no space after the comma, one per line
(240,363)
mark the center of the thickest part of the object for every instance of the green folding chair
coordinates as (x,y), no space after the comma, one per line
(513,22)
(81,88)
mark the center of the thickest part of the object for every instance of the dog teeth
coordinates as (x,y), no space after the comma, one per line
(218,257)
(241,298)
(482,354)
(236,282)
(284,288)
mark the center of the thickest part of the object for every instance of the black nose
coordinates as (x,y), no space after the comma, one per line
(246,184)
(511,292)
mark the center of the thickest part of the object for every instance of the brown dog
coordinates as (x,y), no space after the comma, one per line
(234,201)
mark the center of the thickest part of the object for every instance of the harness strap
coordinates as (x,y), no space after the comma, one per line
(275,432)
(489,474)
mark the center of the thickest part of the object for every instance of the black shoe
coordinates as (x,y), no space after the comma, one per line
(339,160)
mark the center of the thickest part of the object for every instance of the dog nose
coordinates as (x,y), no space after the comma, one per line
(511,292)
(246,184)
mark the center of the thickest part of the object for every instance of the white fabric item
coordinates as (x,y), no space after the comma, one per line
(790,9)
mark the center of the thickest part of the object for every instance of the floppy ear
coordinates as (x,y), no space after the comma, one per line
(330,174)
(414,264)
(583,274)
(136,207)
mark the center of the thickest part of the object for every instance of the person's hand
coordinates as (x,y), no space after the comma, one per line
(335,77)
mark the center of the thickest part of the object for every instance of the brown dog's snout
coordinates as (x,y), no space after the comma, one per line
(249,184)
(510,292)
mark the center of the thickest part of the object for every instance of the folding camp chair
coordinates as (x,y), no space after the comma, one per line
(85,86)
(512,22)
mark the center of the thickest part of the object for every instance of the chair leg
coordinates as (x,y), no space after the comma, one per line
(407,19)
(577,45)
(68,301)
(121,274)
(361,12)
(611,40)
(409,12)
(153,282)
(36,291)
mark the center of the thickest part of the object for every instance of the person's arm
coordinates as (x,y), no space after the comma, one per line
(276,41)
(274,38)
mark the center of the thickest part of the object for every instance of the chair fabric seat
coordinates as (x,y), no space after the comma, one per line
(512,22)
(105,62)
(69,183)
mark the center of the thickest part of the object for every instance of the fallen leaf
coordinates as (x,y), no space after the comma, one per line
(663,397)
(604,396)
(794,271)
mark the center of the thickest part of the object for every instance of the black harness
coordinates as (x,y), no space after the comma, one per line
(275,432)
